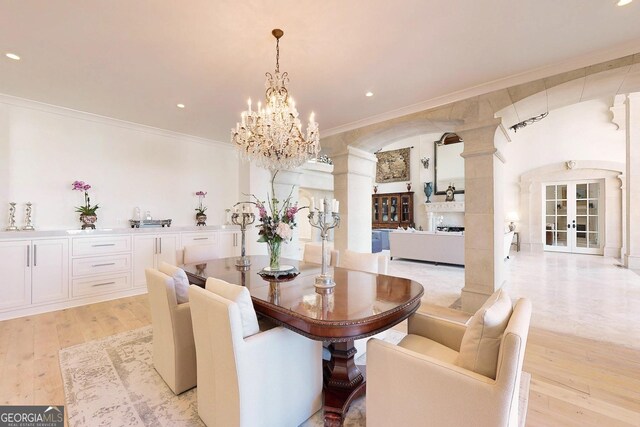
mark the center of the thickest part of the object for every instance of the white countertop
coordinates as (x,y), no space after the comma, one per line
(110,231)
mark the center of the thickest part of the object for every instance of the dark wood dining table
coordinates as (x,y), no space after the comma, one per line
(361,305)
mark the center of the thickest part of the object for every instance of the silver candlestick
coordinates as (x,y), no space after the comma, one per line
(28,226)
(12,217)
(324,220)
(243,219)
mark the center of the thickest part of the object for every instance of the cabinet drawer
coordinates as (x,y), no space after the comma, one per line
(101,265)
(101,245)
(101,285)
(204,238)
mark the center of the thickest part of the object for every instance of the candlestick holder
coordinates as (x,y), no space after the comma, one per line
(12,217)
(243,219)
(324,221)
(28,226)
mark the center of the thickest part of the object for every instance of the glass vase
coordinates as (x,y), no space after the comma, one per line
(274,255)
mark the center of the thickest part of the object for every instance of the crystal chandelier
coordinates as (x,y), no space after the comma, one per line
(272,135)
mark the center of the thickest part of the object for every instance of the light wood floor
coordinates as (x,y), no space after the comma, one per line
(575,381)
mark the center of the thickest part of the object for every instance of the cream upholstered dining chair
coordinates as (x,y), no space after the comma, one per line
(449,373)
(370,263)
(249,377)
(174,352)
(313,254)
(199,253)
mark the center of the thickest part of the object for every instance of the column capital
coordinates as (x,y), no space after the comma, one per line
(355,161)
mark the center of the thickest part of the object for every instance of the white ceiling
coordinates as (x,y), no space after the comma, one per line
(135,60)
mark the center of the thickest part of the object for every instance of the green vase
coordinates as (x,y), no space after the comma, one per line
(274,255)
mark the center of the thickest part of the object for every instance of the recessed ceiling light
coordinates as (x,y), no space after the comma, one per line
(12,56)
(369,94)
(624,2)
(180,105)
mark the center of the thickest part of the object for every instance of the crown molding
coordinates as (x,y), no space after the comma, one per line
(622,50)
(15,101)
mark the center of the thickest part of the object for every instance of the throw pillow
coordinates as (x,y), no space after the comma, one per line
(481,341)
(180,281)
(241,296)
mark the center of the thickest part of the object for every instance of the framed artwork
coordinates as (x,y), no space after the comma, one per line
(393,166)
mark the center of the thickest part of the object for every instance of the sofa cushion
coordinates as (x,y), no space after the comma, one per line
(481,341)
(429,347)
(240,295)
(180,281)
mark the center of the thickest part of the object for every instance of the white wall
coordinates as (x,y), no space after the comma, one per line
(577,132)
(43,149)
(581,132)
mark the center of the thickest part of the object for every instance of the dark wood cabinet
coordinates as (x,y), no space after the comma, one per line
(392,210)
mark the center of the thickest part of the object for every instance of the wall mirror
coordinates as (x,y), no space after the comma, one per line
(449,164)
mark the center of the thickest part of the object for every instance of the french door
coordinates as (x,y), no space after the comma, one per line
(573,217)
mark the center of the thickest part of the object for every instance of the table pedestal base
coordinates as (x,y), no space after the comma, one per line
(343,382)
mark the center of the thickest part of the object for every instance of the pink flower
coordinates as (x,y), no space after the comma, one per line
(201,193)
(86,187)
(79,185)
(291,212)
(284,230)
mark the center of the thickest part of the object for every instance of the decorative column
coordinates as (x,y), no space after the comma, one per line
(353,171)
(484,213)
(632,232)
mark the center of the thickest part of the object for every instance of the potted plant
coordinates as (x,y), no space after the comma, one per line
(87,212)
(201,217)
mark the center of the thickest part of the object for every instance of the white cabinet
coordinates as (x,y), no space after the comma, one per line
(34,272)
(201,238)
(149,251)
(50,270)
(15,262)
(230,242)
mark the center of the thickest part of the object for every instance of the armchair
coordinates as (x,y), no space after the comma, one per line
(269,378)
(423,380)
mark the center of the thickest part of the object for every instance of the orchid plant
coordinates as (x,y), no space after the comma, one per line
(87,209)
(201,209)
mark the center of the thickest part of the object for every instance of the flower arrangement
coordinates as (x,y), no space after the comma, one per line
(200,209)
(276,223)
(87,209)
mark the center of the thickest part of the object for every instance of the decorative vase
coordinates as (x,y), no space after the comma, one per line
(375,189)
(408,186)
(274,254)
(88,221)
(201,219)
(428,190)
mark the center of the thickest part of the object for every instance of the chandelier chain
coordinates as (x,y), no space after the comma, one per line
(277,55)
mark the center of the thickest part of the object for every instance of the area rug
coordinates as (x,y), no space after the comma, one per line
(112,382)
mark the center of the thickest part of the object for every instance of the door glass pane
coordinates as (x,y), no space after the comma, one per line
(562,192)
(594,190)
(561,239)
(385,209)
(581,240)
(581,207)
(562,222)
(551,208)
(593,207)
(581,191)
(551,192)
(593,223)
(562,207)
(593,240)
